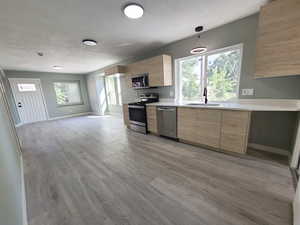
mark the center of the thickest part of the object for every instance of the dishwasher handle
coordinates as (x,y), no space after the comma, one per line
(166,109)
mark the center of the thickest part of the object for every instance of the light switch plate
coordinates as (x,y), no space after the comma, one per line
(248,92)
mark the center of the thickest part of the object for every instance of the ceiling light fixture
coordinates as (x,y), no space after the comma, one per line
(199,49)
(133,11)
(89,42)
(57,67)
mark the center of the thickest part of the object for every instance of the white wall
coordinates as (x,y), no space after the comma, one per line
(11,174)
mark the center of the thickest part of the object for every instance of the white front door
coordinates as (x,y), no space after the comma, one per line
(29,99)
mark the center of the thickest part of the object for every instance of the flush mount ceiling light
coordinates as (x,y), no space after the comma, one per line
(89,42)
(57,67)
(199,49)
(133,11)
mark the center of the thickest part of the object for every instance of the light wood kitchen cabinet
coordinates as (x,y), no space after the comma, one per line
(278,43)
(159,69)
(152,119)
(220,129)
(199,126)
(234,131)
(126,115)
(115,70)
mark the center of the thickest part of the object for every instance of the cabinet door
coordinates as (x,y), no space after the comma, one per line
(235,129)
(278,43)
(200,126)
(126,114)
(156,73)
(152,119)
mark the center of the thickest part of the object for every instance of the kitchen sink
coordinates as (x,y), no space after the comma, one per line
(203,104)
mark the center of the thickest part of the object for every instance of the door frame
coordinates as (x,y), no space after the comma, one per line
(42,93)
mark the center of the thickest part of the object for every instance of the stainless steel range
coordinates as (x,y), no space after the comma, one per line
(137,112)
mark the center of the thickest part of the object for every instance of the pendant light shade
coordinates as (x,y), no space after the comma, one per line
(199,49)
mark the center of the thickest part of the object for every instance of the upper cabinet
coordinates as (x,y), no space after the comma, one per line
(278,44)
(114,70)
(159,69)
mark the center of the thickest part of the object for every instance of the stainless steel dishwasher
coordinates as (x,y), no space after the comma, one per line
(167,121)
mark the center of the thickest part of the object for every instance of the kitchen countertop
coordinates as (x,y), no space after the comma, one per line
(258,105)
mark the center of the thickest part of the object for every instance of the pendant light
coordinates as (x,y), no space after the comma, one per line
(199,49)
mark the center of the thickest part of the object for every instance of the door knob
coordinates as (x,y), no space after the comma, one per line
(19,104)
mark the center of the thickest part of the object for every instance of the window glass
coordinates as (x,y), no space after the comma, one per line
(191,83)
(26,87)
(223,71)
(67,93)
(219,72)
(113,90)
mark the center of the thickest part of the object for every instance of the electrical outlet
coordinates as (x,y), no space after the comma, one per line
(172,94)
(248,92)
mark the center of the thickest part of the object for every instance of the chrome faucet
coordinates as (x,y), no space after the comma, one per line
(205,95)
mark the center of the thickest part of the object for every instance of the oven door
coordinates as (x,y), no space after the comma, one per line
(137,118)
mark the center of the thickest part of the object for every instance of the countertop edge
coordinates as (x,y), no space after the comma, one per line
(238,107)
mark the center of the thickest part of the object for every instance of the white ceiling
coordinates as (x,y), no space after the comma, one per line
(56,28)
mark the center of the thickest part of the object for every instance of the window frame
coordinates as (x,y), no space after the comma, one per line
(178,96)
(69,82)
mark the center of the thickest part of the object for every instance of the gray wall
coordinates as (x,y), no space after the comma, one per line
(275,129)
(241,31)
(47,80)
(11,195)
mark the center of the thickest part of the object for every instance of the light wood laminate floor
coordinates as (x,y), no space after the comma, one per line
(93,171)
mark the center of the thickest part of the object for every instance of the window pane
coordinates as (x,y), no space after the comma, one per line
(67,93)
(223,71)
(26,87)
(113,90)
(190,79)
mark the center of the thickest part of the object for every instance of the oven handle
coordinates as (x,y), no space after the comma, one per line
(135,107)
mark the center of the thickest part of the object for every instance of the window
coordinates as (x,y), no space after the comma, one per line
(219,71)
(113,90)
(67,93)
(26,87)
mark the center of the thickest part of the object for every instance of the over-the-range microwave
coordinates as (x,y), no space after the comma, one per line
(140,81)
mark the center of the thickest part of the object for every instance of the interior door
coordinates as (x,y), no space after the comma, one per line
(29,99)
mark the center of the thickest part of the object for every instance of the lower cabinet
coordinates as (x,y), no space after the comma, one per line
(235,129)
(220,129)
(152,119)
(126,114)
(199,126)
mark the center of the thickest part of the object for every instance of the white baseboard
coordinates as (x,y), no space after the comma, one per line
(265,148)
(58,118)
(71,115)
(19,124)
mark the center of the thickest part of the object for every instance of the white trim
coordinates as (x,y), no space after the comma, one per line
(204,68)
(58,118)
(71,115)
(296,149)
(24,203)
(19,124)
(42,93)
(265,148)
